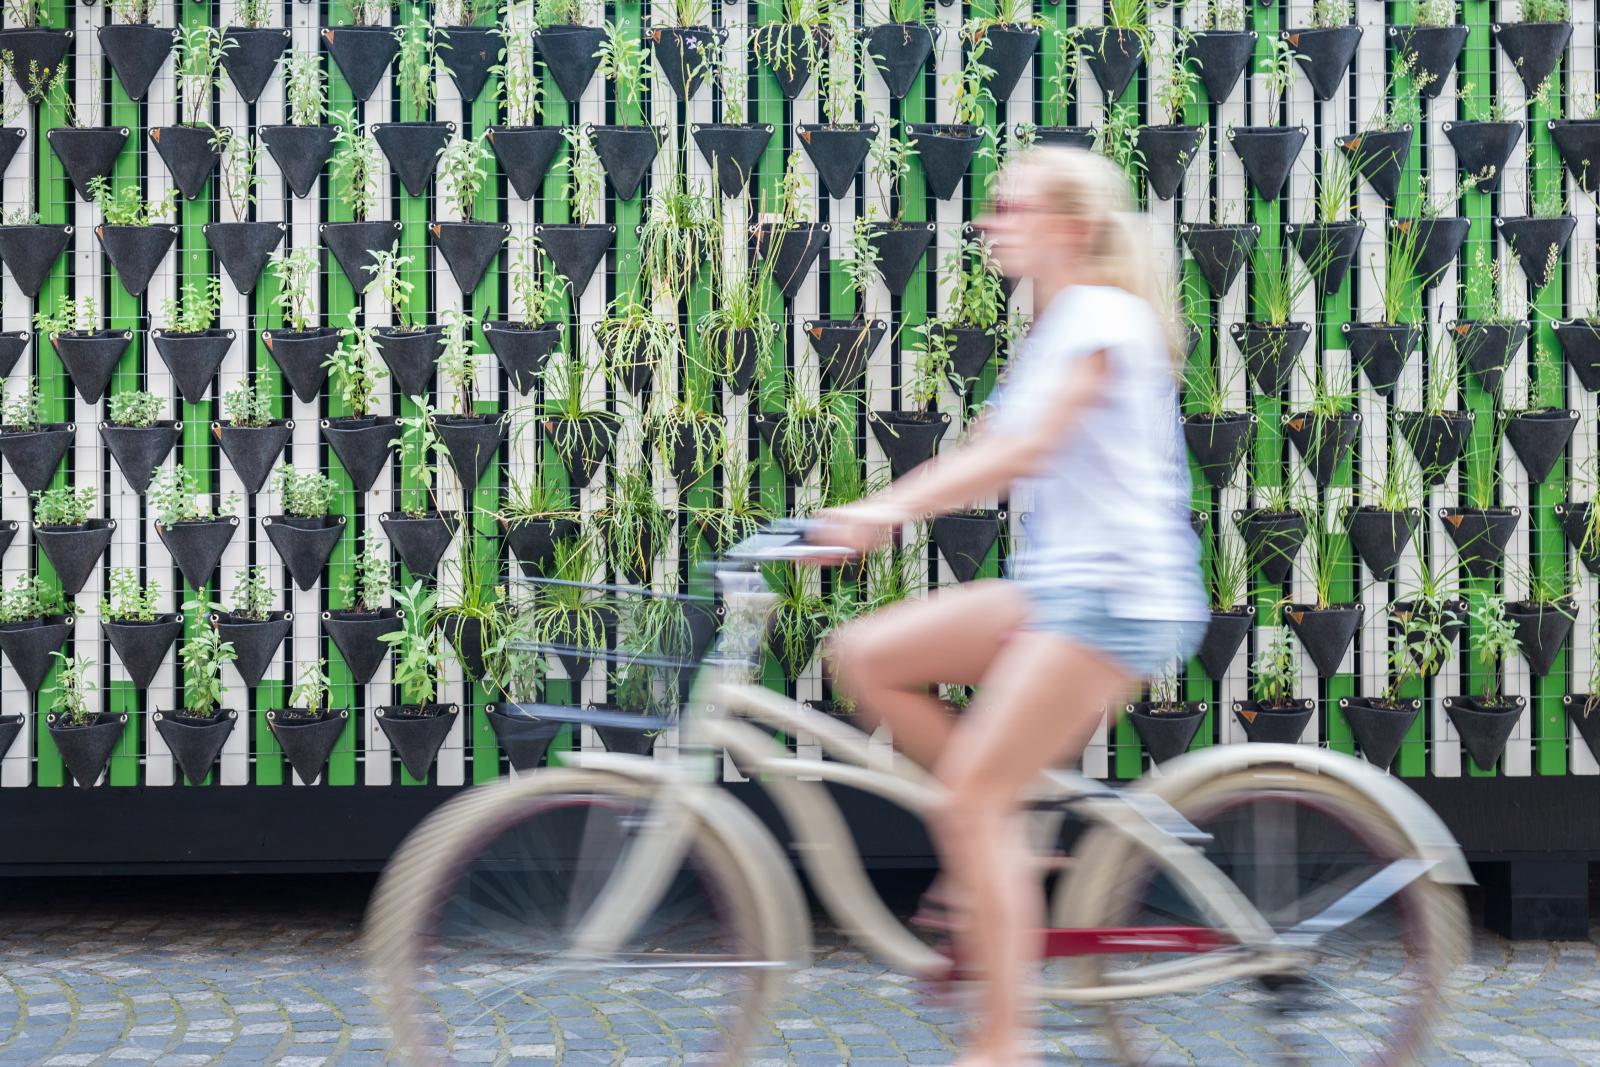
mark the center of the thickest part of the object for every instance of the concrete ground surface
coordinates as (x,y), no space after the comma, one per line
(266,970)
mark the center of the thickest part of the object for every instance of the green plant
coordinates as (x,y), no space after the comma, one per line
(62,505)
(518,83)
(129,599)
(297,273)
(844,87)
(811,421)
(196,308)
(1227,572)
(387,278)
(305,88)
(458,360)
(1402,484)
(534,498)
(1546,11)
(679,231)
(794,193)
(889,158)
(72,689)
(1402,96)
(633,335)
(313,690)
(356,368)
(460,13)
(652,632)
(1276,68)
(1279,286)
(421,651)
(800,615)
(1325,553)
(133,12)
(1483,459)
(1226,15)
(135,408)
(203,654)
(569,616)
(126,208)
(570,419)
(248,404)
(1129,15)
(416,67)
(624,63)
(771,45)
(31,598)
(1492,637)
(22,407)
(17,214)
(1434,12)
(1175,88)
(306,495)
(558,12)
(736,514)
(585,181)
(860,261)
(637,525)
(687,420)
(1335,188)
(1061,81)
(462,173)
(1274,673)
(933,366)
(1118,139)
(238,171)
(366,585)
(1402,283)
(739,309)
(977,293)
(80,315)
(1419,644)
(252,595)
(538,291)
(1433,205)
(690,12)
(420,449)
(357,167)
(369,12)
(967,87)
(176,496)
(197,51)
(1207,390)
(1328,14)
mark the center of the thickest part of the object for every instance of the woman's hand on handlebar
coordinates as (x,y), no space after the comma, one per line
(860,527)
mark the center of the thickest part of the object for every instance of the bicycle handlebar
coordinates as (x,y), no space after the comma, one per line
(785,541)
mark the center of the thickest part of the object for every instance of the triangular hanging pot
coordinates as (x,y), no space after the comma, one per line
(1436,440)
(304,545)
(197,547)
(583,445)
(1274,724)
(793,248)
(1168,151)
(353,243)
(1580,344)
(91,359)
(576,663)
(31,252)
(141,646)
(11,138)
(1065,136)
(1538,243)
(533,541)
(8,534)
(308,742)
(1485,348)
(357,637)
(1326,633)
(421,540)
(1440,241)
(468,249)
(1581,708)
(1219,442)
(1270,352)
(787,50)
(1379,730)
(1480,536)
(468,53)
(1539,438)
(1380,350)
(300,152)
(86,749)
(136,252)
(412,356)
(743,355)
(1379,156)
(193,359)
(1542,630)
(135,52)
(575,250)
(27,646)
(1220,250)
(1221,56)
(522,351)
(837,152)
(362,445)
(732,151)
(571,54)
(250,55)
(1380,537)
(1268,154)
(900,247)
(73,551)
(844,347)
(1433,51)
(945,153)
(1224,634)
(12,343)
(255,641)
(36,52)
(1324,441)
(34,455)
(1165,732)
(1578,142)
(1325,54)
(964,539)
(190,153)
(1271,540)
(1484,729)
(195,742)
(302,356)
(1534,48)
(908,438)
(900,50)
(363,55)
(522,735)
(1573,517)
(465,636)
(685,55)
(139,449)
(628,740)
(471,442)
(87,152)
(525,154)
(1114,55)
(1327,249)
(626,153)
(243,249)
(412,149)
(796,461)
(416,733)
(1482,149)
(1010,49)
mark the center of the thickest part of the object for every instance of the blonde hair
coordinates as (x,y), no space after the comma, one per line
(1083,185)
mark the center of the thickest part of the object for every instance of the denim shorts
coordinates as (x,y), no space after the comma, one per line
(1143,647)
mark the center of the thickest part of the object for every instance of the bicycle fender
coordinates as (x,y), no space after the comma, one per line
(1421,824)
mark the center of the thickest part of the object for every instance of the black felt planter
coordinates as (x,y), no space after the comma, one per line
(1323,441)
(1573,516)
(352,245)
(1484,728)
(30,253)
(1578,142)
(304,545)
(1168,151)
(1219,442)
(197,547)
(1582,709)
(744,349)
(91,359)
(908,438)
(1434,51)
(571,53)
(86,749)
(1326,633)
(945,153)
(797,463)
(36,53)
(626,153)
(363,446)
(1114,55)
(844,347)
(1271,539)
(190,154)
(1224,634)
(583,445)
(1485,348)
(1277,724)
(12,343)
(683,54)
(793,249)
(139,449)
(468,249)
(1379,536)
(1379,156)
(465,634)
(471,442)
(732,151)
(468,52)
(1536,242)
(1010,49)
(525,154)
(1268,154)
(837,152)
(533,541)
(74,550)
(10,728)
(1165,730)
(576,663)
(1380,351)
(1580,343)
(412,149)
(1440,241)
(357,637)
(141,646)
(1327,249)
(307,742)
(1379,729)
(87,152)
(900,247)
(412,356)
(576,249)
(1325,55)
(1220,250)
(1534,48)
(27,646)
(522,350)
(1270,352)
(300,152)
(1542,630)
(964,539)
(136,52)
(523,736)
(1065,136)
(1449,616)
(301,355)
(11,138)
(1480,536)
(416,732)
(250,56)
(788,51)
(34,455)
(136,252)
(1221,56)
(900,50)
(420,540)
(1436,440)
(255,641)
(1482,149)
(243,249)
(195,741)
(363,55)
(1539,438)
(193,359)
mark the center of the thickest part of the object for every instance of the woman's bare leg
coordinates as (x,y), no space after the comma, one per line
(1038,704)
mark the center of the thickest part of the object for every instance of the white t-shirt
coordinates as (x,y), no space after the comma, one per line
(1110,511)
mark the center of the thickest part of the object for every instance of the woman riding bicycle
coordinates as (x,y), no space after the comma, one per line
(1105,589)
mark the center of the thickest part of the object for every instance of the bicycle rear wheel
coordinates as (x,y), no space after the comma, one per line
(472,933)
(1292,844)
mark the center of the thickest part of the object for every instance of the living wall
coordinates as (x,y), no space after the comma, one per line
(327,322)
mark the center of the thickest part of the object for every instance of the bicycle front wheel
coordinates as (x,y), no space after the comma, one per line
(483,938)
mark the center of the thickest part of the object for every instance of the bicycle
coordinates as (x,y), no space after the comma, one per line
(1277,877)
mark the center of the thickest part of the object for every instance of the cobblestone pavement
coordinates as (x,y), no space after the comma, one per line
(265,971)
